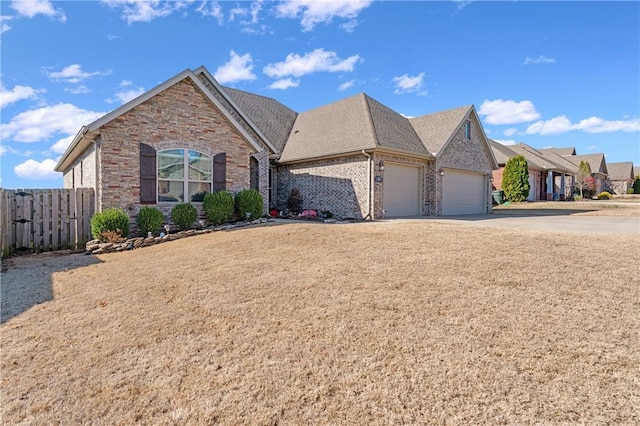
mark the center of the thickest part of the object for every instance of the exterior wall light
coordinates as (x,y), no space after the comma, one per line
(381,165)
(441,172)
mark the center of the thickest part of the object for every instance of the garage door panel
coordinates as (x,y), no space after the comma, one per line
(401,190)
(463,193)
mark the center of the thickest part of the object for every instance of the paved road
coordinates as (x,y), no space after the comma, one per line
(562,223)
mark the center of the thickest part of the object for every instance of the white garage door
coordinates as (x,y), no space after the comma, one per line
(463,193)
(401,190)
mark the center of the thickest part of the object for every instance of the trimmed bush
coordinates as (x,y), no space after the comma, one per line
(249,201)
(294,202)
(515,179)
(149,220)
(629,190)
(183,215)
(636,185)
(604,195)
(218,206)
(110,223)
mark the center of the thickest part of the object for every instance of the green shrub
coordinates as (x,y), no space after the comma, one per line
(218,206)
(629,190)
(183,215)
(636,185)
(294,202)
(149,220)
(108,223)
(515,179)
(249,201)
(604,195)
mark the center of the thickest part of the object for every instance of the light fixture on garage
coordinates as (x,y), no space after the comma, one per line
(381,165)
(441,172)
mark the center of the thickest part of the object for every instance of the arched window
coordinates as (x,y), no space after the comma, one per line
(183,171)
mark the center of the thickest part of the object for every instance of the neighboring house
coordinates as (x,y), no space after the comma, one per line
(598,166)
(620,176)
(548,179)
(636,172)
(355,157)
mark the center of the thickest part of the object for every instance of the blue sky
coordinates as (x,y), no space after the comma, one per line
(543,73)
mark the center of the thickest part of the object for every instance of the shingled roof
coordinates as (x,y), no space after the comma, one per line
(501,152)
(350,125)
(596,162)
(272,118)
(620,171)
(561,151)
(435,129)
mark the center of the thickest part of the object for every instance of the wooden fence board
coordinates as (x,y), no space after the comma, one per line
(39,220)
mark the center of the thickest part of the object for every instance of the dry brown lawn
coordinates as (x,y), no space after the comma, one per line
(369,323)
(627,206)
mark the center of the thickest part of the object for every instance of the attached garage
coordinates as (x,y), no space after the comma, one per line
(463,192)
(402,190)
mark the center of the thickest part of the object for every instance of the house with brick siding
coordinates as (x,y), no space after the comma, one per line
(620,176)
(355,157)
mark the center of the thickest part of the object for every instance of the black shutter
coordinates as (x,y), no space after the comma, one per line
(219,172)
(147,174)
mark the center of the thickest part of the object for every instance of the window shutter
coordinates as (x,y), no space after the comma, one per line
(219,172)
(147,174)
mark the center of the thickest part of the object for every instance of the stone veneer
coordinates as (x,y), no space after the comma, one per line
(179,117)
(82,173)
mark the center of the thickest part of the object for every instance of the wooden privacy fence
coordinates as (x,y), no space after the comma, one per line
(37,220)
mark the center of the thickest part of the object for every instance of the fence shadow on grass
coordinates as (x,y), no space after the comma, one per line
(26,280)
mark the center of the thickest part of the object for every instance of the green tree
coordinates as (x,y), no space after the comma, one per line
(515,179)
(636,185)
(584,180)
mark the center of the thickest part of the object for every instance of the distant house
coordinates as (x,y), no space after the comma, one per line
(550,178)
(354,157)
(620,176)
(598,166)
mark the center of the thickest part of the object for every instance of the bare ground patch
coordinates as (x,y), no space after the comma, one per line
(343,324)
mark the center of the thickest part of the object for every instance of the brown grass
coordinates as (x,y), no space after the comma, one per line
(613,207)
(369,323)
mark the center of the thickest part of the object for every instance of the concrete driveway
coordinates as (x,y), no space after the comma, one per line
(629,225)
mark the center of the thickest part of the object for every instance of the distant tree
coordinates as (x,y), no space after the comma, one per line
(636,185)
(584,181)
(515,179)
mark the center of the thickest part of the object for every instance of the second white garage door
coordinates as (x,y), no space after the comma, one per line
(463,193)
(401,190)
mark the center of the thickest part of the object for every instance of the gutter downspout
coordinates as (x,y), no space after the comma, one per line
(368,185)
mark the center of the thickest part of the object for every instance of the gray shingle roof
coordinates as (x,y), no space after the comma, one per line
(620,171)
(539,160)
(636,171)
(501,152)
(435,129)
(561,151)
(596,161)
(349,125)
(272,118)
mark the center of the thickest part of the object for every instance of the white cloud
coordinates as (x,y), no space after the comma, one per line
(74,74)
(18,93)
(239,68)
(591,148)
(32,169)
(562,124)
(409,84)
(42,123)
(510,132)
(318,60)
(539,60)
(4,26)
(125,93)
(78,90)
(508,112)
(61,146)
(212,9)
(31,8)
(346,85)
(349,26)
(145,10)
(284,84)
(313,12)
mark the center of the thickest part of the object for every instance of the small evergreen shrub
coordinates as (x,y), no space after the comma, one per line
(218,206)
(183,215)
(629,190)
(636,185)
(149,220)
(515,179)
(604,195)
(108,222)
(249,201)
(294,202)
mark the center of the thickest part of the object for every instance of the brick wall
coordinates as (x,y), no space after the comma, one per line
(82,173)
(338,185)
(179,117)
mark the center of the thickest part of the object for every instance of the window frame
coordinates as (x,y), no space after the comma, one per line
(186,179)
(467,129)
